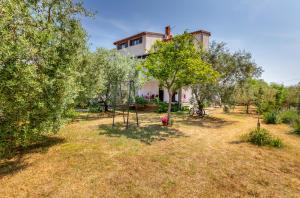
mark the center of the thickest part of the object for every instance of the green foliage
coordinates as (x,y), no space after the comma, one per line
(175,107)
(173,62)
(262,137)
(270,117)
(95,107)
(296,125)
(141,100)
(105,73)
(276,142)
(280,95)
(233,69)
(162,107)
(71,114)
(42,46)
(288,117)
(293,97)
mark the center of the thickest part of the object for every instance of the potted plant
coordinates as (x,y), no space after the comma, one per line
(165,120)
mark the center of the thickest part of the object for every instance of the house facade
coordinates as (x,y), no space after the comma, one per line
(138,45)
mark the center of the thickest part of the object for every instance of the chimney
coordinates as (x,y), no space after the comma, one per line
(168,32)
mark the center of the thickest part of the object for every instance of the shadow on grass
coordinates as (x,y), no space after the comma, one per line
(236,142)
(147,134)
(207,122)
(15,161)
(293,133)
(96,116)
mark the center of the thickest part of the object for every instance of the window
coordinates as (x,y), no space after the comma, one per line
(136,41)
(123,45)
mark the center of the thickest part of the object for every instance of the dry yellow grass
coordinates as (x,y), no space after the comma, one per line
(193,158)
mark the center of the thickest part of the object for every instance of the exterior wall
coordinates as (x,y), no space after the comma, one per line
(205,41)
(143,48)
(150,40)
(149,88)
(136,50)
(186,95)
(202,38)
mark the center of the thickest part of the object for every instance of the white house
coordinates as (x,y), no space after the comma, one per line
(138,45)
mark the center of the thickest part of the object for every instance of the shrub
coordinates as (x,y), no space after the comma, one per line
(270,117)
(141,100)
(95,108)
(276,142)
(71,114)
(296,126)
(162,107)
(262,137)
(288,117)
(185,108)
(175,107)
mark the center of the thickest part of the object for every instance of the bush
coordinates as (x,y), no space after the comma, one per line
(270,117)
(296,126)
(175,107)
(141,100)
(288,117)
(95,108)
(261,137)
(162,107)
(71,114)
(276,142)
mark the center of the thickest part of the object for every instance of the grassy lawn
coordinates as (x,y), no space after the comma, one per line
(193,158)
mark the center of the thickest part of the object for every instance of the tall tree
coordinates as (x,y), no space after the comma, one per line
(176,63)
(234,69)
(293,96)
(41,44)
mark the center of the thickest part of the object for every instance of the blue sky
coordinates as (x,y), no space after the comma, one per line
(269,29)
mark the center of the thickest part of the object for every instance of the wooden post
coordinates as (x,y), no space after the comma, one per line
(114,104)
(123,109)
(128,104)
(135,106)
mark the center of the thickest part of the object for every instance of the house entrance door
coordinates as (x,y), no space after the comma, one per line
(161,95)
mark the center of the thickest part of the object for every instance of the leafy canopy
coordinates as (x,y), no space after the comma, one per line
(42,43)
(105,70)
(177,63)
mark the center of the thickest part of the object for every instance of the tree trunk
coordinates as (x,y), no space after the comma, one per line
(258,122)
(247,108)
(200,109)
(180,98)
(169,107)
(105,107)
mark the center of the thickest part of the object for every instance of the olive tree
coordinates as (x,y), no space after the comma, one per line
(42,43)
(233,68)
(105,70)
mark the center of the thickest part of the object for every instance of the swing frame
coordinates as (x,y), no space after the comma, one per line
(131,89)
